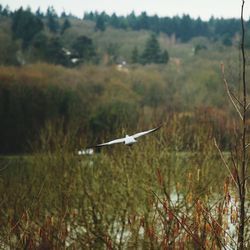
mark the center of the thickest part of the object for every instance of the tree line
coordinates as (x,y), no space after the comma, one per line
(31,29)
(184,27)
(41,35)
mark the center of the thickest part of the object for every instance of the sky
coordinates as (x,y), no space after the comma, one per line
(195,8)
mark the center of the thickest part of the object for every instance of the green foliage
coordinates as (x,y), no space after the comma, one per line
(25,26)
(52,21)
(39,13)
(247,41)
(117,22)
(66,25)
(5,11)
(102,99)
(25,104)
(126,32)
(152,52)
(8,49)
(226,40)
(113,52)
(164,57)
(227,27)
(135,55)
(198,48)
(184,27)
(143,20)
(84,48)
(40,43)
(54,52)
(100,24)
(151,90)
(112,115)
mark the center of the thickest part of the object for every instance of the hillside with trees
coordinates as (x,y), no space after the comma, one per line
(68,68)
(183,28)
(99,38)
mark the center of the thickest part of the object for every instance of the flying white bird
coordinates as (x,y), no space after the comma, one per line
(128,139)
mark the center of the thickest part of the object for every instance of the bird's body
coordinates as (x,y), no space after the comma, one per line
(128,139)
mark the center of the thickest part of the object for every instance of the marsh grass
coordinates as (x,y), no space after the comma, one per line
(150,196)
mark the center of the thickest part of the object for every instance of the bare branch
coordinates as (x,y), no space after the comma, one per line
(241,232)
(230,95)
(186,227)
(237,173)
(237,99)
(224,161)
(209,214)
(247,177)
(248,105)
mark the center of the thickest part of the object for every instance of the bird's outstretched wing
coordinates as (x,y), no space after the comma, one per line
(120,140)
(145,132)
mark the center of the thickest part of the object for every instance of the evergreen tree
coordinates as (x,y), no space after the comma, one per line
(5,11)
(25,26)
(84,48)
(185,28)
(89,16)
(143,21)
(114,21)
(154,24)
(39,13)
(52,22)
(66,25)
(100,24)
(152,51)
(200,28)
(132,21)
(54,52)
(63,14)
